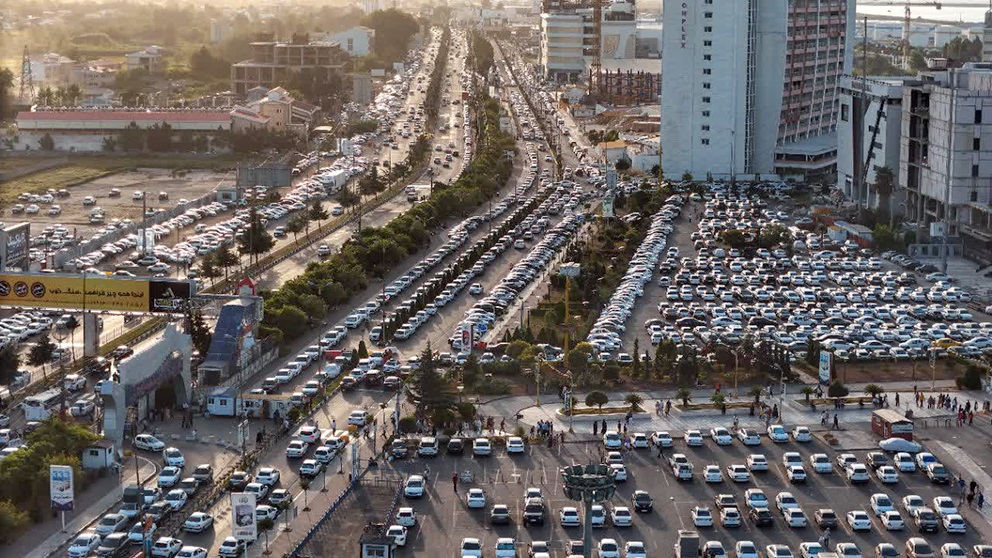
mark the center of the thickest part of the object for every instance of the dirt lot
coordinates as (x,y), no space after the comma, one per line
(191,185)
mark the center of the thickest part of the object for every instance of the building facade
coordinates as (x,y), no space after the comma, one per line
(357,41)
(945,160)
(274,63)
(877,131)
(150,60)
(750,87)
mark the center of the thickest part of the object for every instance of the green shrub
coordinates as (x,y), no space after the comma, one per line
(837,389)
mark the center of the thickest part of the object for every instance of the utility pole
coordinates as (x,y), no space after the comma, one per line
(947,175)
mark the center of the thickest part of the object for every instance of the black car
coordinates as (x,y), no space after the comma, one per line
(238,481)
(642,501)
(876,459)
(348,383)
(761,517)
(500,515)
(456,446)
(159,511)
(113,545)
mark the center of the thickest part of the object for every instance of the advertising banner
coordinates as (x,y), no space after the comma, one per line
(60,482)
(826,363)
(243,525)
(74,292)
(16,243)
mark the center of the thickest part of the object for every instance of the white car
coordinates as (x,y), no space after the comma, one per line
(471,547)
(730,516)
(880,503)
(173,457)
(475,498)
(858,520)
(778,551)
(794,517)
(693,438)
(639,441)
(635,549)
(414,486)
(721,436)
(892,520)
(269,476)
(857,473)
(198,522)
(944,505)
(746,549)
(357,417)
(757,462)
(785,500)
(621,516)
(84,544)
(406,517)
(619,471)
(506,547)
(265,511)
(608,548)
(712,473)
(192,552)
(802,434)
(796,474)
(791,458)
(176,499)
(398,533)
(952,550)
(847,550)
(569,517)
(481,447)
(296,449)
(148,442)
(954,523)
(810,549)
(738,473)
(777,433)
(515,444)
(169,476)
(904,462)
(821,463)
(166,547)
(612,440)
(662,438)
(887,474)
(702,516)
(912,502)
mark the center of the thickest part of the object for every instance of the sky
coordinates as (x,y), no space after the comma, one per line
(929,11)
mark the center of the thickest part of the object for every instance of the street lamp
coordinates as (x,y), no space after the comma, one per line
(589,484)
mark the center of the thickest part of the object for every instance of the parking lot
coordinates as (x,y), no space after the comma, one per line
(444,519)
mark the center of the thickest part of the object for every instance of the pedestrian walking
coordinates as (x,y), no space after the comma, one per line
(595,428)
(981,500)
(836,423)
(972,486)
(427,470)
(826,537)
(454,481)
(971,499)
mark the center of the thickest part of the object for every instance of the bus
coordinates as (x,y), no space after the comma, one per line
(40,407)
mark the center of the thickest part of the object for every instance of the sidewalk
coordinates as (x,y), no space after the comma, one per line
(50,531)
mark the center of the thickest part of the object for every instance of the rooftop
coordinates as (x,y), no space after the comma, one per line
(126,115)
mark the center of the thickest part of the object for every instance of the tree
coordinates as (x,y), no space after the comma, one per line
(733,238)
(225,258)
(255,240)
(634,400)
(46,143)
(874,390)
(200,332)
(318,213)
(265,525)
(807,392)
(347,197)
(6,85)
(684,394)
(208,270)
(432,394)
(597,399)
(12,520)
(515,348)
(687,176)
(9,362)
(837,389)
(756,392)
(622,165)
(398,26)
(296,226)
(370,183)
(719,399)
(42,352)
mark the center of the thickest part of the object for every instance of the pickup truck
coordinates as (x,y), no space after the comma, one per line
(534,511)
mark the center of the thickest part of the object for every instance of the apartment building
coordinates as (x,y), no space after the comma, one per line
(150,59)
(751,86)
(945,160)
(568,37)
(273,63)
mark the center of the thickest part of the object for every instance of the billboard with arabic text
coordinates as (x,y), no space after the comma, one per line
(86,292)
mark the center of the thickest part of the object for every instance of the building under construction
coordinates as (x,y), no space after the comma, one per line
(626,82)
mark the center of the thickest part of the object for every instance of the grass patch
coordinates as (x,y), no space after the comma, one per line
(852,400)
(81,169)
(715,406)
(589,411)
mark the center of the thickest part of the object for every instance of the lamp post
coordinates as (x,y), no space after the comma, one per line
(589,484)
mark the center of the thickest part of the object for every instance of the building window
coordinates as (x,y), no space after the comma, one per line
(706,127)
(706,113)
(705,141)
(706,85)
(707,1)
(978,116)
(707,71)
(976,144)
(707,43)
(843,113)
(974,196)
(706,99)
(974,171)
(707,29)
(707,57)
(708,15)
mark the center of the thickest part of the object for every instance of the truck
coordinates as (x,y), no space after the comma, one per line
(333,181)
(133,501)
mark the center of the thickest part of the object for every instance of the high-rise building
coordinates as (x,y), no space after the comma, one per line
(750,86)
(945,163)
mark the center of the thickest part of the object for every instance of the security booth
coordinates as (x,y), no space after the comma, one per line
(888,423)
(374,542)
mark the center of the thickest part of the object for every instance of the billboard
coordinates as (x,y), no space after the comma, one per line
(826,363)
(14,243)
(243,525)
(60,482)
(81,292)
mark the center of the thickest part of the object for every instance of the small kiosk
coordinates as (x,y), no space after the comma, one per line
(888,423)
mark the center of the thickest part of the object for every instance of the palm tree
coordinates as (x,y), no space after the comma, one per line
(264,525)
(684,394)
(718,398)
(305,484)
(807,391)
(756,392)
(635,401)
